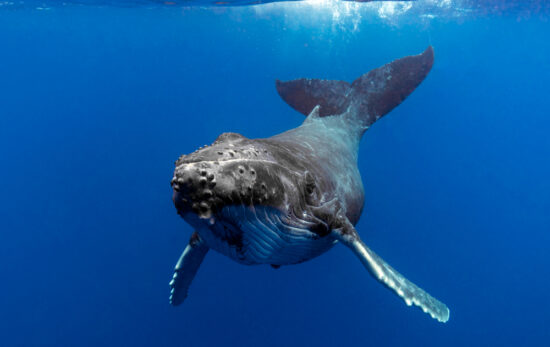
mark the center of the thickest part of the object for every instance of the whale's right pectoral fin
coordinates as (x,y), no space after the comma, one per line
(388,276)
(186,268)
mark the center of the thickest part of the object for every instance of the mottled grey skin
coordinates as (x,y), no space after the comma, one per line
(288,198)
(284,173)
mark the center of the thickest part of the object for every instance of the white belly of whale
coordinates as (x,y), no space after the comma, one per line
(260,235)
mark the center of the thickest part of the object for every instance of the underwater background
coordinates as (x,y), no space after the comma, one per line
(98,99)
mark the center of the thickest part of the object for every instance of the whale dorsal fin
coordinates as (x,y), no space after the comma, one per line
(315,113)
(369,97)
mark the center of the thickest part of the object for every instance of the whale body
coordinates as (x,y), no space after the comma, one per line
(289,198)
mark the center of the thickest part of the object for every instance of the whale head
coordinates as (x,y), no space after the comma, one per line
(236,172)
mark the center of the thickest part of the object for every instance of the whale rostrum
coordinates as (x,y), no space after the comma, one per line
(288,198)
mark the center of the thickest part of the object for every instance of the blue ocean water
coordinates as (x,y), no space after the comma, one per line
(98,101)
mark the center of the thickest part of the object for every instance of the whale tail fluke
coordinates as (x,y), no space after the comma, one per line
(368,98)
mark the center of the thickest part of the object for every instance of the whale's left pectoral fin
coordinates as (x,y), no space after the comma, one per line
(186,268)
(388,276)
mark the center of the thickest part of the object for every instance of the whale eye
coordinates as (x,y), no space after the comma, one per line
(310,183)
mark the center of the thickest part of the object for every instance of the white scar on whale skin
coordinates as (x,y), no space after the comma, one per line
(289,198)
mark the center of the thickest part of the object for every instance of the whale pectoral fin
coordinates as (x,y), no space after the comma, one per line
(388,276)
(186,268)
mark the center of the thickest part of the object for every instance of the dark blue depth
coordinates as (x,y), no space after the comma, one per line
(96,104)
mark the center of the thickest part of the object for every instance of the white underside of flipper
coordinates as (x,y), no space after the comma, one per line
(387,275)
(186,269)
(407,290)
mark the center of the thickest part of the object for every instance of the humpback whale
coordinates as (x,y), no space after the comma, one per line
(289,198)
